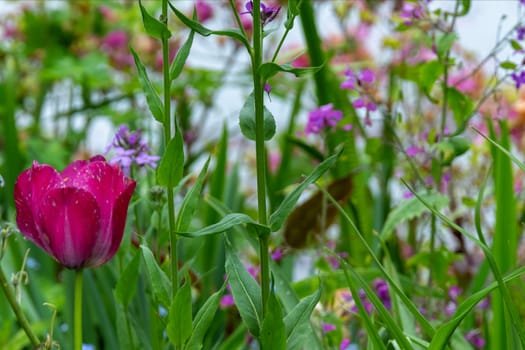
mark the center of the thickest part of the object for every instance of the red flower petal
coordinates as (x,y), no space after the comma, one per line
(69,219)
(108,242)
(30,187)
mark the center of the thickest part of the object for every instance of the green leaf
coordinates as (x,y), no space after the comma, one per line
(181,57)
(445,331)
(429,73)
(199,28)
(189,204)
(411,209)
(129,277)
(203,320)
(445,42)
(516,46)
(281,213)
(269,69)
(152,98)
(273,332)
(153,26)
(226,223)
(452,148)
(179,327)
(246,292)
(465,8)
(297,322)
(171,165)
(160,284)
(508,65)
(461,106)
(247,120)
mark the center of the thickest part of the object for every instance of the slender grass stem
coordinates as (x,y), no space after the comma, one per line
(20,316)
(77,331)
(167,137)
(260,151)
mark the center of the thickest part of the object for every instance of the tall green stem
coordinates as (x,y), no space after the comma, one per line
(260,152)
(20,316)
(167,138)
(77,332)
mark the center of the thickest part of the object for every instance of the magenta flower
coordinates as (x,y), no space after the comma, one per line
(268,13)
(520,31)
(519,79)
(328,327)
(76,216)
(204,11)
(321,118)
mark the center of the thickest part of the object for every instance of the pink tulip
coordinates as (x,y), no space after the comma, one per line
(76,216)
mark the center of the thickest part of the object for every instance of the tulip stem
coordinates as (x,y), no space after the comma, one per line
(20,316)
(78,310)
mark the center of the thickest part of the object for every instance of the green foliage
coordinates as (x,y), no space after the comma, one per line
(171,165)
(247,120)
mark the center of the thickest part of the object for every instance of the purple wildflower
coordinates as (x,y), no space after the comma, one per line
(328,327)
(521,32)
(412,151)
(277,254)
(367,76)
(454,292)
(227,301)
(382,292)
(363,102)
(268,13)
(450,308)
(129,149)
(475,338)
(350,82)
(518,79)
(321,118)
(345,344)
(204,11)
(411,12)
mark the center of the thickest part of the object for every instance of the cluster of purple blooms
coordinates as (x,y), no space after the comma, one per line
(130,148)
(381,288)
(323,117)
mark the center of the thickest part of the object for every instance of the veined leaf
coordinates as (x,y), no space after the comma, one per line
(153,26)
(273,332)
(160,284)
(152,98)
(129,277)
(226,223)
(247,120)
(171,166)
(246,292)
(179,326)
(411,209)
(297,322)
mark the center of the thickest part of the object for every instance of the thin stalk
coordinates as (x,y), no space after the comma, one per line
(260,151)
(20,316)
(167,138)
(77,332)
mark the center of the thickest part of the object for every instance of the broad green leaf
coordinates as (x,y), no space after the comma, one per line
(199,28)
(465,8)
(273,332)
(181,57)
(444,43)
(247,120)
(297,321)
(410,209)
(508,65)
(225,224)
(152,98)
(445,331)
(179,327)
(171,165)
(429,73)
(281,213)
(160,284)
(461,106)
(203,320)
(189,204)
(129,277)
(269,69)
(516,46)
(452,147)
(127,338)
(246,292)
(153,26)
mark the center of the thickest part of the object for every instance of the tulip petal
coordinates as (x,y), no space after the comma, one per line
(108,242)
(69,219)
(30,187)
